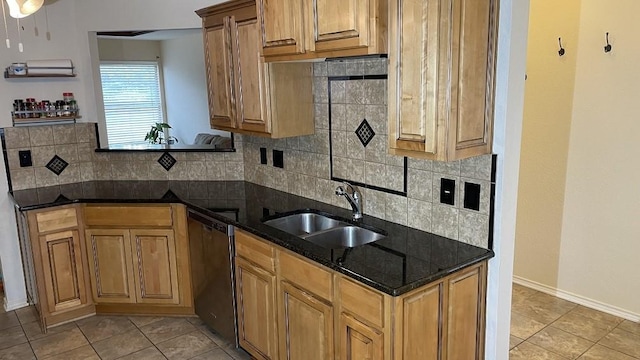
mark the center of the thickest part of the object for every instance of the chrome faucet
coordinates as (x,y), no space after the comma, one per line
(353,196)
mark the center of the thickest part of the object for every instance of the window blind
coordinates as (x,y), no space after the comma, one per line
(132,100)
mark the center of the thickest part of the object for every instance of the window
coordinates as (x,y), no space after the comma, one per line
(132,99)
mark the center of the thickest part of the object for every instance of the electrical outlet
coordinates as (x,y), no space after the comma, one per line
(471,196)
(278,158)
(263,156)
(25,158)
(447,191)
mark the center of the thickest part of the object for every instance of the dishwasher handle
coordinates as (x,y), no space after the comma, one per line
(211,223)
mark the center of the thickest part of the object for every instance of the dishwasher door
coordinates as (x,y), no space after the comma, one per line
(212,274)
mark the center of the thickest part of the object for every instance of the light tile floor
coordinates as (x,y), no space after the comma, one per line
(546,327)
(112,337)
(542,327)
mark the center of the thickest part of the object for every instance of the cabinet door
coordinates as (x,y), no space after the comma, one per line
(255,296)
(413,77)
(359,341)
(465,325)
(250,73)
(472,71)
(154,266)
(306,325)
(110,265)
(282,26)
(218,53)
(419,322)
(335,29)
(63,270)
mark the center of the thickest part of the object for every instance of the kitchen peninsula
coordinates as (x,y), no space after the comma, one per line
(409,270)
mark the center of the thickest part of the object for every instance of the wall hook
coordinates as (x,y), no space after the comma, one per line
(561,51)
(607,48)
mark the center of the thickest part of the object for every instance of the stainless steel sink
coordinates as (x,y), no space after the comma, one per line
(324,231)
(303,224)
(344,237)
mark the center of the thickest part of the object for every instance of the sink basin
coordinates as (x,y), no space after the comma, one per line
(324,231)
(344,237)
(304,223)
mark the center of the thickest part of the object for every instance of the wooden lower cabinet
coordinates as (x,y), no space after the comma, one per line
(133,266)
(58,280)
(110,265)
(443,320)
(465,314)
(256,304)
(63,271)
(419,324)
(139,262)
(155,266)
(306,325)
(359,341)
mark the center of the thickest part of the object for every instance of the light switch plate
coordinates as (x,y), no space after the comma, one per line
(471,196)
(447,191)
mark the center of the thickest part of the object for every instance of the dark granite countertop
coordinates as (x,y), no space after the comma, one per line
(405,259)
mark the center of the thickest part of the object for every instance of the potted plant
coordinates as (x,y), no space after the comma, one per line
(156,134)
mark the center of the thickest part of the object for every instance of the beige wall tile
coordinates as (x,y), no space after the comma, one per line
(67,152)
(24,178)
(64,134)
(41,135)
(45,177)
(473,228)
(445,221)
(70,175)
(396,209)
(419,214)
(17,137)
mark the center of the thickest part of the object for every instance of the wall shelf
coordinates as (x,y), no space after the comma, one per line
(9,75)
(17,122)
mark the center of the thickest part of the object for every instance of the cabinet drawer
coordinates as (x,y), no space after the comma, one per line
(306,275)
(125,216)
(56,220)
(366,303)
(254,250)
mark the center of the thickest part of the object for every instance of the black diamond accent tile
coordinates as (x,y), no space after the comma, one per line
(167,161)
(365,133)
(57,165)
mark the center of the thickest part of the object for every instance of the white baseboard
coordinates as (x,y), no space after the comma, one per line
(16,304)
(578,299)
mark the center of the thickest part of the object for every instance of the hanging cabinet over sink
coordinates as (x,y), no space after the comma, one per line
(308,29)
(247,95)
(441,77)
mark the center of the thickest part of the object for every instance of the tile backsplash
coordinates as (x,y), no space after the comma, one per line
(346,92)
(76,144)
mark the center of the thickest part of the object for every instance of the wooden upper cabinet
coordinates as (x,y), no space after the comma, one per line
(219,65)
(247,95)
(441,78)
(308,29)
(251,99)
(282,26)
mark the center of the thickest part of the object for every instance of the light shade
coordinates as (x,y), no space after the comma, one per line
(22,8)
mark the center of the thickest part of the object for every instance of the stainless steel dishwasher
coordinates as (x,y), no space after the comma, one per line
(212,248)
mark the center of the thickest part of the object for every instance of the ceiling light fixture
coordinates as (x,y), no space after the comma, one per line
(23,8)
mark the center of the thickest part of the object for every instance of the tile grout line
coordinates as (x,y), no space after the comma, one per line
(146,337)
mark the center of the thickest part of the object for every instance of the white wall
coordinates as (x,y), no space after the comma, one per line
(601,231)
(578,237)
(185,86)
(509,99)
(61,46)
(69,24)
(548,110)
(129,50)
